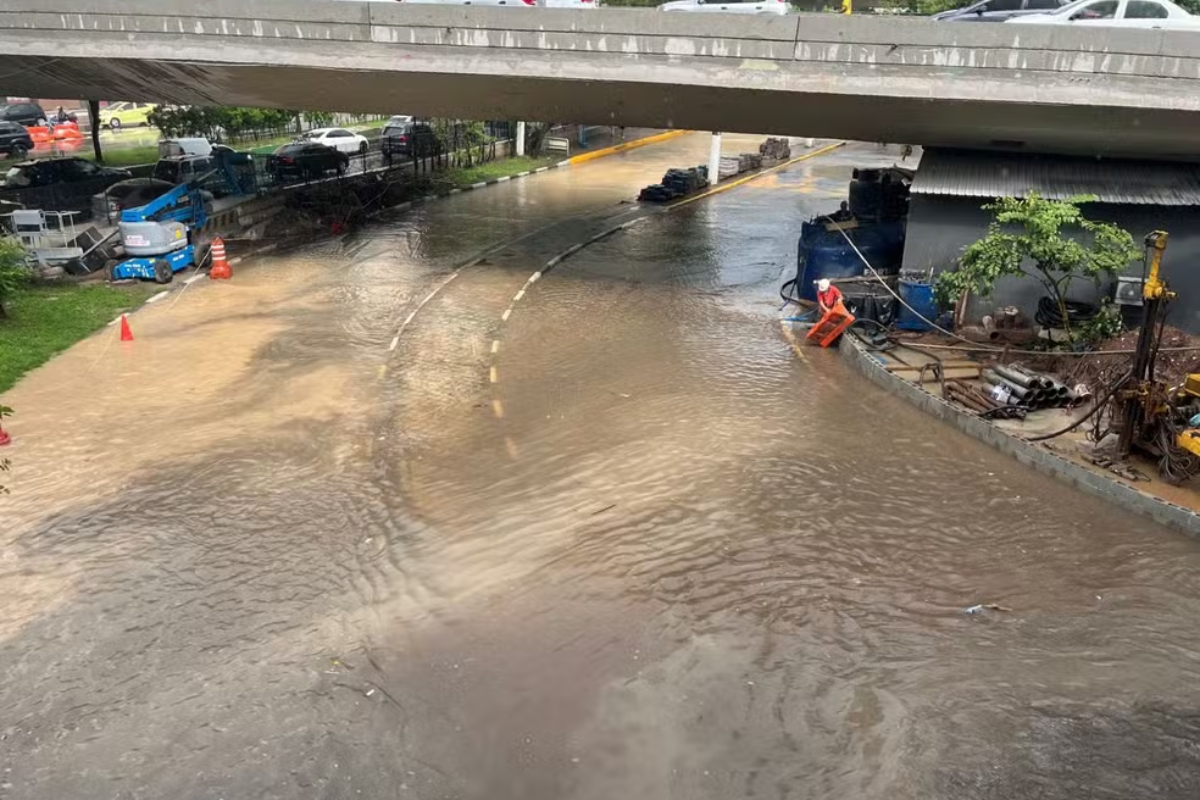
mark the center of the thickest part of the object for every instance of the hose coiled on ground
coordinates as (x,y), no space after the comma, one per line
(1049,315)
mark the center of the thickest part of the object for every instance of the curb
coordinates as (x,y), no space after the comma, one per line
(583,158)
(1041,459)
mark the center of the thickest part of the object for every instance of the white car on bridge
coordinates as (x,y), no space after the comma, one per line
(774,7)
(1114,13)
(338,139)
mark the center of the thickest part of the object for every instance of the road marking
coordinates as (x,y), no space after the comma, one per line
(507,312)
(791,337)
(395,341)
(724,187)
(517,297)
(493,376)
(511,448)
(498,409)
(382,370)
(534,277)
(495,346)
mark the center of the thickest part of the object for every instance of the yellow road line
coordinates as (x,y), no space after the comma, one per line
(791,337)
(493,375)
(498,409)
(620,148)
(725,187)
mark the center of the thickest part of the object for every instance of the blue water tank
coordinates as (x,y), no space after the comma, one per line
(919,295)
(827,254)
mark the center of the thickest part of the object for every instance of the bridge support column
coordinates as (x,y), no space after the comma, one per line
(714,159)
(520,143)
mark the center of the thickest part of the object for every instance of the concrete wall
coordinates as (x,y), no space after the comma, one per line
(1090,90)
(940,227)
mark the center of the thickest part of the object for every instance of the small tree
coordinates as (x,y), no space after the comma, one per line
(5,464)
(14,269)
(1029,237)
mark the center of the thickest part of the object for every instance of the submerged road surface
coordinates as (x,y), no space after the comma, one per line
(360,524)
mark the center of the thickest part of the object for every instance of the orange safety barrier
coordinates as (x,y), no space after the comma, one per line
(40,134)
(831,326)
(67,130)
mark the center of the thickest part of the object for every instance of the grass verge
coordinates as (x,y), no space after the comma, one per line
(46,319)
(500,168)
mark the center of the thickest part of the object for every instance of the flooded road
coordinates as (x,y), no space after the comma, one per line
(599,535)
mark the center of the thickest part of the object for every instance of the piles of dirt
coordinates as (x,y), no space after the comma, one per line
(1098,371)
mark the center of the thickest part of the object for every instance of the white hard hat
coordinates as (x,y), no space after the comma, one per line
(823,285)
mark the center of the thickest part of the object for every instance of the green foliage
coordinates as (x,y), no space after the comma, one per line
(1105,325)
(14,269)
(232,122)
(1031,236)
(924,7)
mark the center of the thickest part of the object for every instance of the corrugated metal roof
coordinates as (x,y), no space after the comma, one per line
(961,173)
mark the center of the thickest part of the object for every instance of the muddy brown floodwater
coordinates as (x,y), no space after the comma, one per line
(606,538)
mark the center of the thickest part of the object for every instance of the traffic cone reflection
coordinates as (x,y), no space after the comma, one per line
(126,333)
(220,269)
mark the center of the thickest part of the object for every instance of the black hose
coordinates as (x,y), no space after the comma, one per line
(786,294)
(1099,405)
(1049,315)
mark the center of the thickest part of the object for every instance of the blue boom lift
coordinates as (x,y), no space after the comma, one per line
(160,234)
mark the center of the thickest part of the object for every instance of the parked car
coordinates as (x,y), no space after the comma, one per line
(338,139)
(132,193)
(27,114)
(998,10)
(15,141)
(772,7)
(47,171)
(407,139)
(126,115)
(512,3)
(304,160)
(1116,14)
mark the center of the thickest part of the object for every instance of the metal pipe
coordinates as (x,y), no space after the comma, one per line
(1017,377)
(1023,393)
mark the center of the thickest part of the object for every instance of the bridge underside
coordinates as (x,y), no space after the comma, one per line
(985,122)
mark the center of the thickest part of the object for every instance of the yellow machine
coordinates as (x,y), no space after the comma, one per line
(1147,414)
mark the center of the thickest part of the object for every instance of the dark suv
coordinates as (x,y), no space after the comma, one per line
(409,139)
(47,171)
(15,141)
(27,114)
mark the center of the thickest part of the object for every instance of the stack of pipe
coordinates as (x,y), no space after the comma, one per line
(979,402)
(1026,388)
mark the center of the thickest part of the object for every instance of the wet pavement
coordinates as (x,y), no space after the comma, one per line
(602,534)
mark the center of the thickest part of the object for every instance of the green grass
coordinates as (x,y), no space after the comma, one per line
(499,168)
(47,319)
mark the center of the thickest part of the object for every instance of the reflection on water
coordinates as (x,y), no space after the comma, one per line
(625,544)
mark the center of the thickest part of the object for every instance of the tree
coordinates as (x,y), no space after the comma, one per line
(93,107)
(14,269)
(1031,236)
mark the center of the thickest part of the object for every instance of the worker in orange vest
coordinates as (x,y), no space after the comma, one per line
(828,295)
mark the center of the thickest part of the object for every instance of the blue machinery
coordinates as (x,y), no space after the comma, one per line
(159,235)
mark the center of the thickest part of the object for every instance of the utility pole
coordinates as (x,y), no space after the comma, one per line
(520,143)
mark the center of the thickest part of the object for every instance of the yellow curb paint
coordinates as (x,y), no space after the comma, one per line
(498,409)
(791,337)
(583,158)
(493,376)
(725,187)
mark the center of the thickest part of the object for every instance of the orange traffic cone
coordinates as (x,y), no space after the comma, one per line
(126,334)
(220,269)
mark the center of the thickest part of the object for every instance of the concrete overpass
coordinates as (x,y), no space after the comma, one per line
(1114,91)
